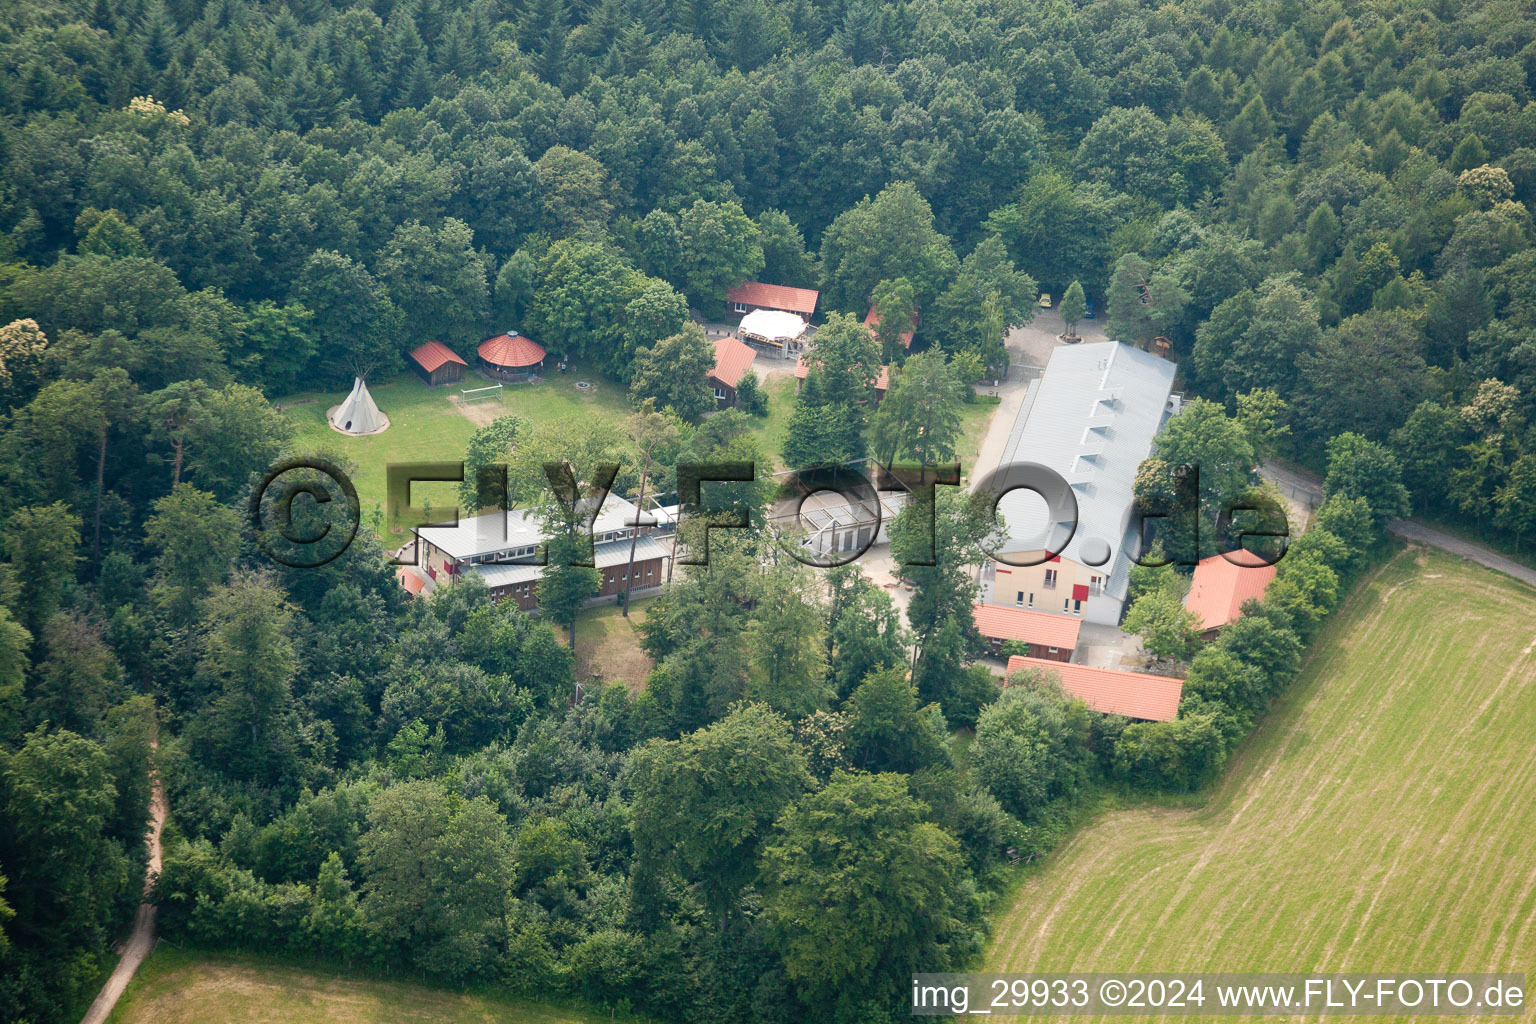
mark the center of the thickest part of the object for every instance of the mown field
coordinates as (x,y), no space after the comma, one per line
(199,988)
(1383,818)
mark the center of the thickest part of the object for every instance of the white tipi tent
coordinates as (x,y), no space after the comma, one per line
(358,414)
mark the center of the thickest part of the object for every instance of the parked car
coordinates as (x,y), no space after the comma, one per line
(1045,300)
(1088,309)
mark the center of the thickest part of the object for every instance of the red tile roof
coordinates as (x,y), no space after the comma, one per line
(511,350)
(1113,691)
(732,358)
(1000,622)
(434,354)
(872,321)
(411,582)
(775,296)
(1219,588)
(881,383)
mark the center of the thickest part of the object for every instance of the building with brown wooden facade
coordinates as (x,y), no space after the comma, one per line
(733,358)
(437,364)
(503,549)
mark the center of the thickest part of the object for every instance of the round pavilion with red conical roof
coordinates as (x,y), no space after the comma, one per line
(511,356)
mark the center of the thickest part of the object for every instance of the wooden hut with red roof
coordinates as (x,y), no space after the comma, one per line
(511,357)
(879,385)
(1222,584)
(437,364)
(1050,637)
(753,295)
(733,358)
(1113,691)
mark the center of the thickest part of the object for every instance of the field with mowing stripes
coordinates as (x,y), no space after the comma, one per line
(1382,819)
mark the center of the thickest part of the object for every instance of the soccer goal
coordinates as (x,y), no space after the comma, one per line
(467,395)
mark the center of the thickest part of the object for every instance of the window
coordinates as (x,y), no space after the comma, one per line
(1020,598)
(1077,607)
(1031,600)
(610,579)
(1050,579)
(1095,585)
(720,394)
(650,572)
(740,307)
(1066,604)
(1054,650)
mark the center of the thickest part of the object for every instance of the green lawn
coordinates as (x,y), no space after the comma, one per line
(175,987)
(428,425)
(1383,818)
(974,421)
(773,428)
(607,644)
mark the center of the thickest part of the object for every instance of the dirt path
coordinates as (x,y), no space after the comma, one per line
(142,940)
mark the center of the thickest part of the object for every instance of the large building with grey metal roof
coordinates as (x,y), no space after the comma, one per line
(1090,419)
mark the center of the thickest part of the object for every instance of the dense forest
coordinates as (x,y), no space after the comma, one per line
(207,206)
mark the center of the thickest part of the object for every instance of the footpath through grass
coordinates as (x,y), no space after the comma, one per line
(1382,819)
(175,987)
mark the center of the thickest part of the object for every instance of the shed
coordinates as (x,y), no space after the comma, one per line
(879,385)
(872,321)
(1113,691)
(511,356)
(437,364)
(1222,584)
(753,295)
(1050,637)
(733,357)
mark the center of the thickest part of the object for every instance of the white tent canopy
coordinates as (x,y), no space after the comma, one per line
(772,326)
(358,414)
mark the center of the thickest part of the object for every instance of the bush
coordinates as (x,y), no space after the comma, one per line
(1177,755)
(750,396)
(1032,745)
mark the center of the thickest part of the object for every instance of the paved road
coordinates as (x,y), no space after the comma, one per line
(1029,349)
(1418,532)
(142,940)
(1308,486)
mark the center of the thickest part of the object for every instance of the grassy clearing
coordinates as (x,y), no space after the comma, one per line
(194,988)
(774,428)
(1383,818)
(975,418)
(607,644)
(429,425)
